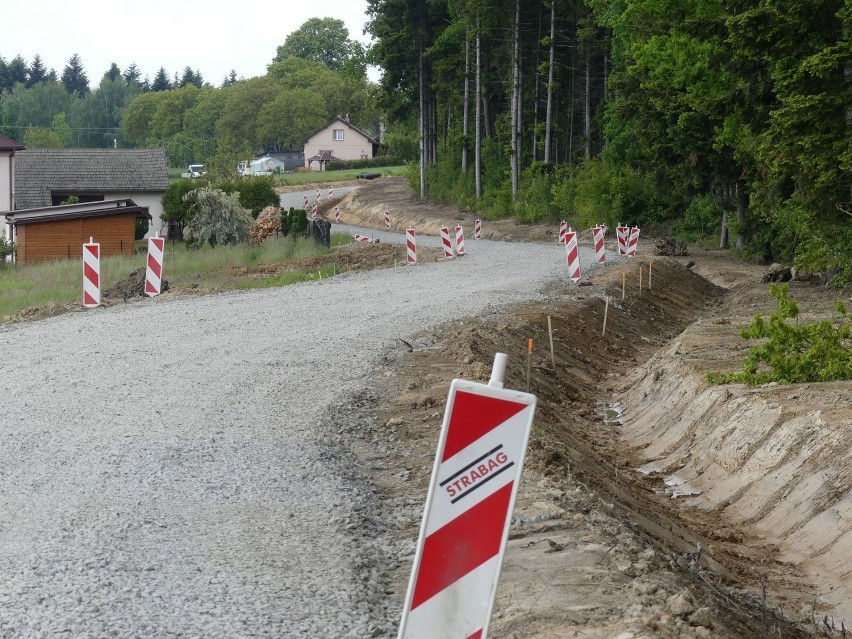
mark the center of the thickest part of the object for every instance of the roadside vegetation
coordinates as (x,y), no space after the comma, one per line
(222,267)
(791,351)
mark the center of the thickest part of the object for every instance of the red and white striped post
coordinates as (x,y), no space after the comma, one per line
(477,229)
(337,214)
(468,510)
(154,271)
(387,219)
(572,255)
(330,192)
(319,196)
(410,246)
(459,240)
(621,233)
(91,274)
(445,242)
(314,212)
(563,228)
(362,238)
(598,235)
(307,204)
(632,242)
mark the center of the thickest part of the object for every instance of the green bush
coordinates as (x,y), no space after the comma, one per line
(219,218)
(794,353)
(255,193)
(294,221)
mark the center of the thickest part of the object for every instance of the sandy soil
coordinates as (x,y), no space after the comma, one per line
(653,504)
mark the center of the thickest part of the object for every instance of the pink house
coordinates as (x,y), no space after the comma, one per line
(338,140)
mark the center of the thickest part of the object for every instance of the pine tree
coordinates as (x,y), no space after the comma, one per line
(74,77)
(161,81)
(36,72)
(131,75)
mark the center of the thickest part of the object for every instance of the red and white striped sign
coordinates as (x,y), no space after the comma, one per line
(306,203)
(387,219)
(410,246)
(91,274)
(598,234)
(330,192)
(632,242)
(319,197)
(445,242)
(477,229)
(362,238)
(621,233)
(572,255)
(563,228)
(314,212)
(154,272)
(337,214)
(459,240)
(468,511)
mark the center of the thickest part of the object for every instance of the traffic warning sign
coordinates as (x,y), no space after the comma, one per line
(468,510)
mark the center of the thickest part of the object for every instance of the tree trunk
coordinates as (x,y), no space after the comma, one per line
(742,207)
(466,106)
(570,150)
(477,154)
(513,132)
(548,126)
(587,106)
(423,123)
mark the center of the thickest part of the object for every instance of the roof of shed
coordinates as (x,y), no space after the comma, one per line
(76,211)
(8,144)
(40,171)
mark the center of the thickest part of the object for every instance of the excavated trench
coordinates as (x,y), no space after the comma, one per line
(701,473)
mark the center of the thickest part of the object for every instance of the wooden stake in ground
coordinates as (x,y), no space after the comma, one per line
(640,281)
(606,310)
(529,361)
(650,266)
(623,285)
(550,332)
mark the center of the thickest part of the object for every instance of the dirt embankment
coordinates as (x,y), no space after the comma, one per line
(653,504)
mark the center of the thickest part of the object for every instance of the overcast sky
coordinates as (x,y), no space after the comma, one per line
(211,36)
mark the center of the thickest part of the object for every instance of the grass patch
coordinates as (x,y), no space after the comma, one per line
(61,282)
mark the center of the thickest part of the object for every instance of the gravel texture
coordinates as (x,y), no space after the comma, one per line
(178,467)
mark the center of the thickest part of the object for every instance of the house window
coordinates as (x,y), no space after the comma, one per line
(338,135)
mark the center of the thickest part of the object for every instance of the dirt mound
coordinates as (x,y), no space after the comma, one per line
(132,286)
(366,207)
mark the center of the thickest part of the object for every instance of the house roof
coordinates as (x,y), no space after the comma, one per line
(7,144)
(325,156)
(76,211)
(38,172)
(345,123)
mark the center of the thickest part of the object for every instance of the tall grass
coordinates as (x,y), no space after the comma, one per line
(61,282)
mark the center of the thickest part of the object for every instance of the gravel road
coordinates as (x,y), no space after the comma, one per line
(296,199)
(170,467)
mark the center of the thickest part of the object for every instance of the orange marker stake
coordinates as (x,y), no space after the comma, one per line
(529,361)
